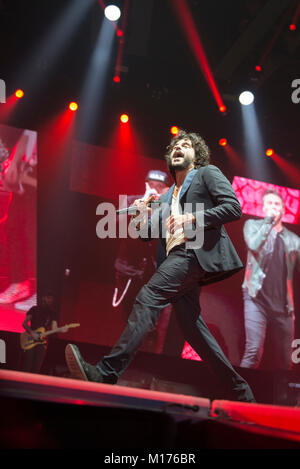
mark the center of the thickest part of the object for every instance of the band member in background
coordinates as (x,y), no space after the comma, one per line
(268,285)
(136,263)
(181,270)
(19,178)
(41,315)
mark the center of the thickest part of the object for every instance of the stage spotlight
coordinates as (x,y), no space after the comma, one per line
(270,152)
(174,130)
(112,12)
(222,108)
(119,33)
(292,27)
(19,94)
(73,106)
(124,118)
(223,142)
(258,68)
(246,98)
(117,79)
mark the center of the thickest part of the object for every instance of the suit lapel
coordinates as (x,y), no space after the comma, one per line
(169,194)
(187,183)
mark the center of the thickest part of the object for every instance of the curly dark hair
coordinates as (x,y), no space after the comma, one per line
(202,152)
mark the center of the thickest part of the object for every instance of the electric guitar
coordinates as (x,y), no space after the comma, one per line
(27,342)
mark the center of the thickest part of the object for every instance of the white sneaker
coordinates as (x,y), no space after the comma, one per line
(27,304)
(15,292)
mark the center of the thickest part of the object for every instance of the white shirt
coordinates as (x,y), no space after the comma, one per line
(178,236)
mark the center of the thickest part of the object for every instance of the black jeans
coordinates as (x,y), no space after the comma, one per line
(32,359)
(257,319)
(176,281)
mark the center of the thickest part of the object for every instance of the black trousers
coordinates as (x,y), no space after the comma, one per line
(32,360)
(257,320)
(176,281)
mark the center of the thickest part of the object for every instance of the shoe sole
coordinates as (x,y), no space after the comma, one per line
(73,362)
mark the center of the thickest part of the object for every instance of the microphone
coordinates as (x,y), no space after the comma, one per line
(132,210)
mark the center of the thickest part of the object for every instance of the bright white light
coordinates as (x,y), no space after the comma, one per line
(246,98)
(112,12)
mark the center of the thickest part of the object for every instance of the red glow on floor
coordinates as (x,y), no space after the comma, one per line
(278,417)
(51,385)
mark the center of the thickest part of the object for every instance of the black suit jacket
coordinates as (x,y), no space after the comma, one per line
(206,185)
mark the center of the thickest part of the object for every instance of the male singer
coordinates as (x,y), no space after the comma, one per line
(268,284)
(182,270)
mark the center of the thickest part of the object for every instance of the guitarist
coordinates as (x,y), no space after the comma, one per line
(41,315)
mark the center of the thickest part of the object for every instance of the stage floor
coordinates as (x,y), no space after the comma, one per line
(268,421)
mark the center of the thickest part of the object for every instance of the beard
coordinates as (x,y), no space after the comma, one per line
(184,164)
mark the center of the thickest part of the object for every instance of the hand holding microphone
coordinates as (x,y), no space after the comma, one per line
(142,210)
(147,198)
(274,214)
(142,205)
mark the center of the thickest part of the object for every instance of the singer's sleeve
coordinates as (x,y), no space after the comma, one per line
(255,235)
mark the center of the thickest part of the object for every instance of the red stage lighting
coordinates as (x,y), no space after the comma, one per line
(117,79)
(19,94)
(270,152)
(258,68)
(119,33)
(124,118)
(292,27)
(73,106)
(174,130)
(223,142)
(222,108)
